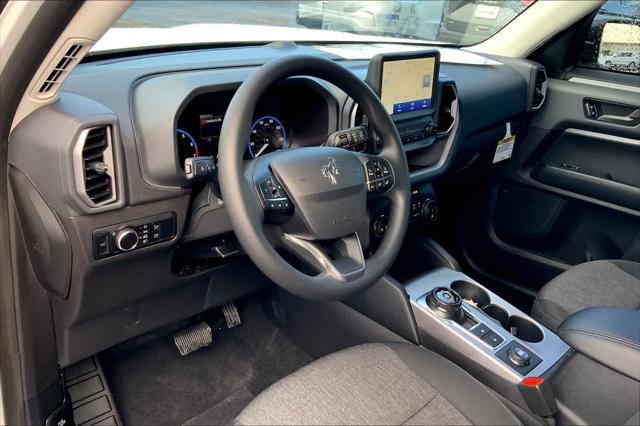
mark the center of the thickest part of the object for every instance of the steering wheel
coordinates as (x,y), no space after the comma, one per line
(312,201)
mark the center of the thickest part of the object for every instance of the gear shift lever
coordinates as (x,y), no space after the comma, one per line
(446,302)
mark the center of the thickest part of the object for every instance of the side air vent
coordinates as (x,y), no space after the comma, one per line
(448,109)
(539,89)
(61,65)
(95,172)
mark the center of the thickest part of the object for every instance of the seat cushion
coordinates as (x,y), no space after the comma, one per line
(592,284)
(378,384)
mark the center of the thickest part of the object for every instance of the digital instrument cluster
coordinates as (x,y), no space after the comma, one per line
(268,134)
(294,113)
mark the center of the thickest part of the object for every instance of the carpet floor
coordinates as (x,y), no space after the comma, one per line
(152,384)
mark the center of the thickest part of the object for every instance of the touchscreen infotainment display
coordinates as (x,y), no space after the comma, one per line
(407,84)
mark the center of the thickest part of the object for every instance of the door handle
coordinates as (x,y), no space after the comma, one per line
(621,119)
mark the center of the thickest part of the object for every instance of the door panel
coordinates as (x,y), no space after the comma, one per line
(569,194)
(593,164)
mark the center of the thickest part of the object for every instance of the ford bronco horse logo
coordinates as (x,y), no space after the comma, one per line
(331,170)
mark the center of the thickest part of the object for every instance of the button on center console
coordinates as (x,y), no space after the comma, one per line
(492,339)
(480,330)
(519,356)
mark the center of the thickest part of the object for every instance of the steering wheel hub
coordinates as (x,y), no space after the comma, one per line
(327,187)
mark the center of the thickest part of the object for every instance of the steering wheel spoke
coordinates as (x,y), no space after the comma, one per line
(342,259)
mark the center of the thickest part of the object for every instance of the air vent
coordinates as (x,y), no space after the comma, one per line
(448,109)
(93,159)
(539,89)
(53,76)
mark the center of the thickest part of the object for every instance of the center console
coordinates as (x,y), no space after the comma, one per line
(487,335)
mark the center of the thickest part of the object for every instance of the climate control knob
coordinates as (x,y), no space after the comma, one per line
(126,239)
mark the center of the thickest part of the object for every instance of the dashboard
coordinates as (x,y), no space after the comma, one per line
(136,245)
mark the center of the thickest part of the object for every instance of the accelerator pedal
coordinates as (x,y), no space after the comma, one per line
(231,315)
(193,338)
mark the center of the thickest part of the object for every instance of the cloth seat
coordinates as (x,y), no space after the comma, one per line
(392,383)
(592,284)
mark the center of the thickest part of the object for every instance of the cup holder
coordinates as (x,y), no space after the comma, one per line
(499,314)
(520,327)
(471,293)
(524,329)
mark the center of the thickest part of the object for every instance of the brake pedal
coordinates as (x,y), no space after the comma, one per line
(193,338)
(231,315)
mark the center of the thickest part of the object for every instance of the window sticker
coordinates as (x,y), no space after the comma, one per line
(505,146)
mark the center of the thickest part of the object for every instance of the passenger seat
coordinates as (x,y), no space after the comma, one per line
(592,284)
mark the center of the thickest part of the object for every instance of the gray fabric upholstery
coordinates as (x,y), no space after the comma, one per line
(377,384)
(634,420)
(600,283)
(595,394)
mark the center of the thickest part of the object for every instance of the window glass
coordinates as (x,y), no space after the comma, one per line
(168,23)
(613,42)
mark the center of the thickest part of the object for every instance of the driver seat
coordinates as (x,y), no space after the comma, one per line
(382,384)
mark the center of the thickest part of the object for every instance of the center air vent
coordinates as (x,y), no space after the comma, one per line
(539,89)
(95,174)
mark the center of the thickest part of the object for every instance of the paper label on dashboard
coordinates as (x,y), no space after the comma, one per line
(505,146)
(487,12)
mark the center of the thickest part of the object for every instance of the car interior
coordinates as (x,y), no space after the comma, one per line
(370,230)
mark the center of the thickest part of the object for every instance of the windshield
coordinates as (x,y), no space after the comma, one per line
(159,24)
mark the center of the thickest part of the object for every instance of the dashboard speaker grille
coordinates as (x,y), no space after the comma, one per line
(97,183)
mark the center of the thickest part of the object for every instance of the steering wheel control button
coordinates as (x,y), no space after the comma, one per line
(519,356)
(274,196)
(480,330)
(379,175)
(492,339)
(446,303)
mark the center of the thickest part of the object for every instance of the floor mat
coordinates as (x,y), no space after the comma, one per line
(152,384)
(223,412)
